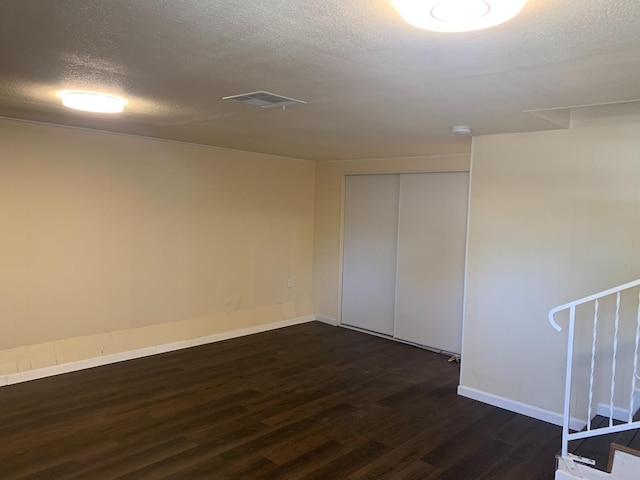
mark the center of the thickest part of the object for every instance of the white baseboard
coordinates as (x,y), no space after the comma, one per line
(327,320)
(518,407)
(619,413)
(35,374)
(548,416)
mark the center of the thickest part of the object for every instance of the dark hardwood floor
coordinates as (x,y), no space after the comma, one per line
(305,402)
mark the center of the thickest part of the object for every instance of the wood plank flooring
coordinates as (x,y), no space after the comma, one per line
(304,402)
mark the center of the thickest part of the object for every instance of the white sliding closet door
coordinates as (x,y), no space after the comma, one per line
(431,251)
(370,245)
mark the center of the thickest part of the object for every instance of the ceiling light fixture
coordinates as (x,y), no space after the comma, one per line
(457,15)
(92,101)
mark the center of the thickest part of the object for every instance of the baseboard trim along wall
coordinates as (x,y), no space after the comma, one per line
(619,413)
(518,407)
(35,374)
(327,320)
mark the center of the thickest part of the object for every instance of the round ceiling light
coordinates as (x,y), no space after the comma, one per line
(457,15)
(92,101)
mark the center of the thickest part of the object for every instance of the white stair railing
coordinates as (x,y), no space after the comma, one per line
(598,350)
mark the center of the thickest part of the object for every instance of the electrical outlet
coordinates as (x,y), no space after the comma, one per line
(290,283)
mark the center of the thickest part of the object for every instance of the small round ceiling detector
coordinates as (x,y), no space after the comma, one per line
(457,15)
(461,130)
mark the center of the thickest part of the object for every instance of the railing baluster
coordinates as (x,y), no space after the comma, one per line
(593,361)
(614,359)
(571,306)
(635,365)
(567,392)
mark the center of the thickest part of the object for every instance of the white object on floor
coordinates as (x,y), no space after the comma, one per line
(625,466)
(570,470)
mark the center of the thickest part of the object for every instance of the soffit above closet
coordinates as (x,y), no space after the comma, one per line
(374,86)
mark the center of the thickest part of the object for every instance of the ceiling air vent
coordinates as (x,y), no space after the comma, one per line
(264,99)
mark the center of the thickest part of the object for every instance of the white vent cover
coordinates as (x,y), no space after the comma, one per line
(264,99)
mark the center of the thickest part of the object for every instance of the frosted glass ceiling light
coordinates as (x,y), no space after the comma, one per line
(92,101)
(457,15)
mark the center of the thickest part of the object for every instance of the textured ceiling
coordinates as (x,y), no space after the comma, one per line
(375,86)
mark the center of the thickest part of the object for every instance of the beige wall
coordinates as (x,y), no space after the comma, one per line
(554,216)
(104,233)
(328,216)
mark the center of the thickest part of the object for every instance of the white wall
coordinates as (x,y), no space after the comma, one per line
(554,216)
(111,243)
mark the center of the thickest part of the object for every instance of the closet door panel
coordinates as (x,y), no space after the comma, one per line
(430,260)
(370,246)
